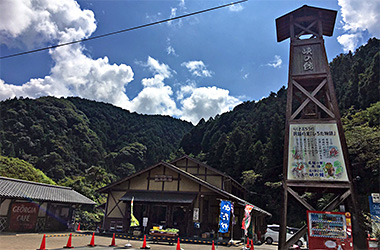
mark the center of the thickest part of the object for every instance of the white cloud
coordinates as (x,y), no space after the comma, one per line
(349,41)
(236,7)
(156,97)
(205,102)
(186,90)
(197,68)
(73,73)
(182,4)
(276,63)
(32,23)
(170,50)
(155,100)
(358,17)
(173,14)
(157,68)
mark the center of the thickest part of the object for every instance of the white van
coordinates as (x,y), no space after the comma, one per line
(273,231)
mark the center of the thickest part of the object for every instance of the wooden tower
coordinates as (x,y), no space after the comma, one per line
(315,150)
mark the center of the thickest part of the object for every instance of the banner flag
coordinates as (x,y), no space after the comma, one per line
(225,213)
(247,218)
(134,221)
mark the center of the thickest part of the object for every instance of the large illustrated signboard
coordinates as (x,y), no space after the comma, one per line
(315,153)
(329,230)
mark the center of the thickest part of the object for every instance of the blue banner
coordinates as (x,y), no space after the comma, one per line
(374,209)
(225,213)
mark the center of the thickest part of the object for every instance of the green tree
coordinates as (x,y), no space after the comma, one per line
(19,169)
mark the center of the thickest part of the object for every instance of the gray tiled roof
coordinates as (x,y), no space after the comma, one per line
(20,189)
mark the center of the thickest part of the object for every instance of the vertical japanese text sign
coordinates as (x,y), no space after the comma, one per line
(225,213)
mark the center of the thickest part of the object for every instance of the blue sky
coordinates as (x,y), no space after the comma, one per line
(190,68)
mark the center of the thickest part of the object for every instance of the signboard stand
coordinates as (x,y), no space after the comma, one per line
(315,155)
(145,223)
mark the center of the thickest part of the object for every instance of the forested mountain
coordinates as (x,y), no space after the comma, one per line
(19,169)
(356,76)
(86,144)
(251,137)
(67,137)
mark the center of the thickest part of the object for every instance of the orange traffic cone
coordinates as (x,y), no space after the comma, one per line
(68,245)
(113,243)
(178,245)
(92,242)
(252,245)
(78,229)
(43,243)
(213,246)
(144,246)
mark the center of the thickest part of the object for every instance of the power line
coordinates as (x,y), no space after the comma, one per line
(121,31)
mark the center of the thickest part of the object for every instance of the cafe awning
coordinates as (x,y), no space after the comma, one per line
(162,197)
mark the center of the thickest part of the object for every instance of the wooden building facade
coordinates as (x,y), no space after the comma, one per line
(184,194)
(27,206)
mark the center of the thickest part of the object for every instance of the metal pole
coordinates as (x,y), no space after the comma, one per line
(232,233)
(232,223)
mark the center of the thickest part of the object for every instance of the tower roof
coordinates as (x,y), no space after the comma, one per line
(306,14)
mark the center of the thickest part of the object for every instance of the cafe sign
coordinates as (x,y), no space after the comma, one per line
(23,216)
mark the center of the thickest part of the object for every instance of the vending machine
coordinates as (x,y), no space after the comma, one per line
(329,230)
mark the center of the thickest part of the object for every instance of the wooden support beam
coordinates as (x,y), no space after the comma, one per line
(303,230)
(302,201)
(307,29)
(303,105)
(284,214)
(116,206)
(337,201)
(312,98)
(318,184)
(292,240)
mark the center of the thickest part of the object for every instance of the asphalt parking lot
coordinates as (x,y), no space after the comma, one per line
(80,241)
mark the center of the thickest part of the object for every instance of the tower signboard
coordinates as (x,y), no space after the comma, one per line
(315,150)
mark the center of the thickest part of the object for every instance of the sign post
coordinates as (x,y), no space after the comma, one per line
(315,150)
(145,223)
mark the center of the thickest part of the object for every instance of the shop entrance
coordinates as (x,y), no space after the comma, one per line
(159,215)
(57,218)
(165,216)
(180,219)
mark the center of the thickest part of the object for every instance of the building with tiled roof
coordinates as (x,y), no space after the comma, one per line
(184,194)
(27,206)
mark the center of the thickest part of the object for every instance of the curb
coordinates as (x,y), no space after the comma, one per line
(168,239)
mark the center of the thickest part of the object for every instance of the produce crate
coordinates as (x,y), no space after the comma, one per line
(163,236)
